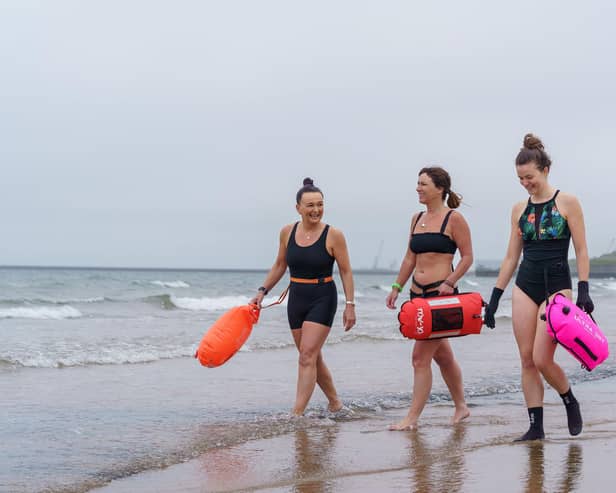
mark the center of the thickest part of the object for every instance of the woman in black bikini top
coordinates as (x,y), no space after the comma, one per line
(435,236)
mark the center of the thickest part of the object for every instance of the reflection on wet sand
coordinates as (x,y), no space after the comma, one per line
(440,467)
(571,470)
(313,460)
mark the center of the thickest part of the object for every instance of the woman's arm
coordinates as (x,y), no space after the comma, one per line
(278,269)
(575,219)
(508,266)
(340,252)
(514,249)
(406,269)
(461,234)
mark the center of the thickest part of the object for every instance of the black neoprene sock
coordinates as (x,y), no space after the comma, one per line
(574,417)
(535,432)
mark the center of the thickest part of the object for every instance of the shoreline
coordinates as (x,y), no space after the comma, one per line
(362,455)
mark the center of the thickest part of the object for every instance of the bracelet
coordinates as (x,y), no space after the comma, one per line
(449,283)
(397,286)
(262,289)
(352,303)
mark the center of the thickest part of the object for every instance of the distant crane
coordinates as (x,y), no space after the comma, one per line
(375,264)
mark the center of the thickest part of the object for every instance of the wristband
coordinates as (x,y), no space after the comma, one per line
(449,283)
(262,289)
(397,286)
(352,303)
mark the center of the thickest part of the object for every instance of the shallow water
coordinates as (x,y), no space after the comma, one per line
(98,381)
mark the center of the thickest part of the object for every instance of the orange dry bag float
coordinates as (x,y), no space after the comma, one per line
(229,333)
(441,316)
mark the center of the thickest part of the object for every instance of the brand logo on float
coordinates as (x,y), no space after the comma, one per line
(420,321)
(584,323)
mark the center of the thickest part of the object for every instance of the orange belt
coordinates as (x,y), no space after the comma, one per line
(318,280)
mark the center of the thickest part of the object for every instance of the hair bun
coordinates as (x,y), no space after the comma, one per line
(308,181)
(532,142)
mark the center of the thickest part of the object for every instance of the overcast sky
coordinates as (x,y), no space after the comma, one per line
(176,134)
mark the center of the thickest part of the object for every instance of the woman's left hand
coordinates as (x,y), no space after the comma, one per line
(348,317)
(445,289)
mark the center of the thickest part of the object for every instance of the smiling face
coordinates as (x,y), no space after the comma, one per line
(427,191)
(531,177)
(310,207)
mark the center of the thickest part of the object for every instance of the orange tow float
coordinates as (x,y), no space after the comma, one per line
(229,333)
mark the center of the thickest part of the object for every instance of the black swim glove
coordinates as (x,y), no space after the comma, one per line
(488,316)
(583,298)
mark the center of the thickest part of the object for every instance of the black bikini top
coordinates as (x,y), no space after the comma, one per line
(432,242)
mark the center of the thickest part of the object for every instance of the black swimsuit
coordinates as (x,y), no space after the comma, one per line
(546,235)
(431,242)
(311,302)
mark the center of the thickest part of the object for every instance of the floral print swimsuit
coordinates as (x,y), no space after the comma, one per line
(544,269)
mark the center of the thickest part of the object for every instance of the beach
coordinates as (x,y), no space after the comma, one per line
(362,455)
(101,393)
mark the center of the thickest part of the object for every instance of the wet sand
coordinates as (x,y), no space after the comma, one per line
(360,454)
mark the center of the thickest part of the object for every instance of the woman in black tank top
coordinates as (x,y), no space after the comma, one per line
(309,248)
(435,236)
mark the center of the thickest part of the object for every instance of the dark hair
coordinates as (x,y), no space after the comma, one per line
(308,187)
(533,150)
(441,179)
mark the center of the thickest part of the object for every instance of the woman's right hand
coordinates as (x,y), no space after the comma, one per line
(390,301)
(490,311)
(258,299)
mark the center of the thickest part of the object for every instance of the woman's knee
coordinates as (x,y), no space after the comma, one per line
(527,361)
(542,361)
(420,361)
(308,357)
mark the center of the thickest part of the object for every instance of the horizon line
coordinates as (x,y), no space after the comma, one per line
(178,269)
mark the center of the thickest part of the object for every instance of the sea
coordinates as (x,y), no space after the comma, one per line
(98,379)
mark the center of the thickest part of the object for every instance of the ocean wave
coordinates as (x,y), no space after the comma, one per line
(359,336)
(217,303)
(611,286)
(209,304)
(178,283)
(266,345)
(99,356)
(41,312)
(53,301)
(171,284)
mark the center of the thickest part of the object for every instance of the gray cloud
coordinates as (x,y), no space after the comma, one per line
(159,134)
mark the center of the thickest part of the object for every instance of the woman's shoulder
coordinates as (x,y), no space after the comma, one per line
(287,228)
(455,216)
(519,207)
(566,198)
(334,233)
(568,204)
(285,232)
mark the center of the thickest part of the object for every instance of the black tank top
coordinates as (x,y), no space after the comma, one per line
(309,262)
(432,242)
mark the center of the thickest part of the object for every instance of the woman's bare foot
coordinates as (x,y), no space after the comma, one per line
(407,424)
(460,415)
(335,406)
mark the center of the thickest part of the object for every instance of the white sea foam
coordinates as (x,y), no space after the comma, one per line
(209,304)
(41,312)
(171,284)
(100,356)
